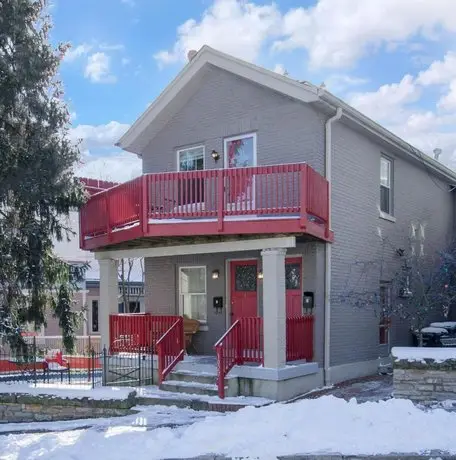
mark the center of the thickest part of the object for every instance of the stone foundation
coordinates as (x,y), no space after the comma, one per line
(426,379)
(19,408)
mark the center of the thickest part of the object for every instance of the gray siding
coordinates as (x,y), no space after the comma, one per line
(226,105)
(162,289)
(418,197)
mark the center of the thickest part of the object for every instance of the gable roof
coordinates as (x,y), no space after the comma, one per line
(177,93)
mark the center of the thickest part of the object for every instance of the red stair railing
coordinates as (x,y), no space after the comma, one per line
(170,349)
(243,342)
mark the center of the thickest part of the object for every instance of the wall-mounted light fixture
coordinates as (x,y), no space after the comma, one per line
(260,275)
(215,155)
(215,274)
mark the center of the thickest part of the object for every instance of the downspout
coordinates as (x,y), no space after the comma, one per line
(328,165)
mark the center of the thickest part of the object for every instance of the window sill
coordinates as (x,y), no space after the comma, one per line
(203,327)
(385,216)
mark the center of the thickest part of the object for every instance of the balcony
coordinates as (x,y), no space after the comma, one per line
(261,200)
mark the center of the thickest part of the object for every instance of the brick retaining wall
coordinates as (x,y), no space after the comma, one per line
(16,408)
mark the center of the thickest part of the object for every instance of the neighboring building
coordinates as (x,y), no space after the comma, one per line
(232,223)
(89,294)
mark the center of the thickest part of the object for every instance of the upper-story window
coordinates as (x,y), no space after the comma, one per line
(191,159)
(386,186)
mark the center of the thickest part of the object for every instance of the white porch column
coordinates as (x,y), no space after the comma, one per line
(108,297)
(274,316)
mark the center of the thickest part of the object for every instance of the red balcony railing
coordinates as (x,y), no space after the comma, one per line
(300,338)
(293,197)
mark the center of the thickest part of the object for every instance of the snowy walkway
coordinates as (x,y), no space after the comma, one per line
(322,425)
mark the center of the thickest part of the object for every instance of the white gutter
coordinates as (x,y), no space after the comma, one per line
(328,165)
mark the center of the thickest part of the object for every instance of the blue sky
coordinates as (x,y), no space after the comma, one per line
(395,61)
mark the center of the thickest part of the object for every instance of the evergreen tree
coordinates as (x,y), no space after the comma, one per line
(37,183)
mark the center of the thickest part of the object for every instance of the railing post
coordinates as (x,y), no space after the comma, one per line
(220,198)
(221,374)
(303,198)
(144,204)
(238,338)
(108,216)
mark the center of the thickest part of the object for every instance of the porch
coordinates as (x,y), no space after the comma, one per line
(260,200)
(160,339)
(257,313)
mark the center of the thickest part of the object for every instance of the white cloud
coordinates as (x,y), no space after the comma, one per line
(76,52)
(98,136)
(235,27)
(389,101)
(336,33)
(439,72)
(125,61)
(448,102)
(118,167)
(337,83)
(98,69)
(279,68)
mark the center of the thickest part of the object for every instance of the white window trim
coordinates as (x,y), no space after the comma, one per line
(238,137)
(385,215)
(181,307)
(187,149)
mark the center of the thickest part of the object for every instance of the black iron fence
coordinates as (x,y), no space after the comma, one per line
(43,361)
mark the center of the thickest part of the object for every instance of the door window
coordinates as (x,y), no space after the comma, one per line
(246,278)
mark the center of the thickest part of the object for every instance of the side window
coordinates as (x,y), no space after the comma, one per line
(386,186)
(192,292)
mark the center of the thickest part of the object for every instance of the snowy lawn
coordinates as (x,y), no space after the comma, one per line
(63,390)
(323,425)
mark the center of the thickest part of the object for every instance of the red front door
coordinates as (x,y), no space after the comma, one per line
(244,299)
(293,286)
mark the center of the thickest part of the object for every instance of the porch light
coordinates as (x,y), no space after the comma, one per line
(215,155)
(260,275)
(215,274)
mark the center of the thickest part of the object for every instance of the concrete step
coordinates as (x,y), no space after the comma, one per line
(195,388)
(189,376)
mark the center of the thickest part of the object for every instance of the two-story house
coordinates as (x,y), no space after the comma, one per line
(259,193)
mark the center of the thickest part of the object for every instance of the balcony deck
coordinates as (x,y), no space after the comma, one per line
(285,199)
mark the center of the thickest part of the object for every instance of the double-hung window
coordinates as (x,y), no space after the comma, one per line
(386,186)
(191,159)
(192,293)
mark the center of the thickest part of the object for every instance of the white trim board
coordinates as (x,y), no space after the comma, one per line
(206,248)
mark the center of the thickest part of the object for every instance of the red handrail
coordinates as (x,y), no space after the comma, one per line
(170,349)
(300,338)
(243,342)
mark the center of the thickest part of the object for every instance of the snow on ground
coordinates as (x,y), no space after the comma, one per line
(63,390)
(323,425)
(421,353)
(149,417)
(154,392)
